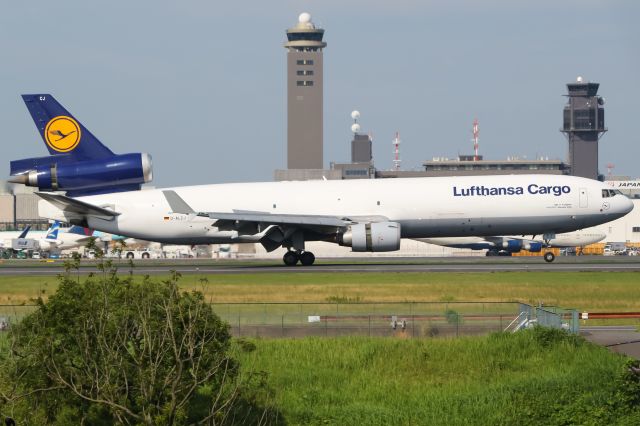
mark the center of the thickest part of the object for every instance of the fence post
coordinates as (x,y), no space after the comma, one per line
(326,319)
(413,325)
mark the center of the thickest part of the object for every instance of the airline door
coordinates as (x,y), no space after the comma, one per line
(583,198)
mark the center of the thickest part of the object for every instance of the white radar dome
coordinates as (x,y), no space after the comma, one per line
(355,128)
(304,18)
(355,114)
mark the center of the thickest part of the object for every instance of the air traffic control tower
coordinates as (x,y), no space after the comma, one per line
(583,125)
(304,94)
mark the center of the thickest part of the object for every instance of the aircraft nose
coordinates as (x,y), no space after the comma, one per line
(626,205)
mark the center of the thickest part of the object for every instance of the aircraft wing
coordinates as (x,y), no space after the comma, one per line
(242,218)
(277,219)
(71,205)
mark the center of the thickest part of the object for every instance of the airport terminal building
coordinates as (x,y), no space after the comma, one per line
(19,208)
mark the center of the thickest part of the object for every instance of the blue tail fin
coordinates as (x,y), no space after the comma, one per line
(52,233)
(24,232)
(61,132)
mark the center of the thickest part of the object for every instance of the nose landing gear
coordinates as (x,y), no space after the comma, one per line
(291,258)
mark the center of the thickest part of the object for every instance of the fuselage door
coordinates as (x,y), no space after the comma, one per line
(583,198)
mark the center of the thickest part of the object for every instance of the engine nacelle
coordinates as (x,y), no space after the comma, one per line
(119,172)
(376,236)
(533,246)
(512,246)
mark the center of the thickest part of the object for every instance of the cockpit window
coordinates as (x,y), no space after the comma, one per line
(606,193)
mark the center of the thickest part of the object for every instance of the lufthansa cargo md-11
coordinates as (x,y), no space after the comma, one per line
(102,192)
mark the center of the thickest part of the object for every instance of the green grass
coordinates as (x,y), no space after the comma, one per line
(532,377)
(591,291)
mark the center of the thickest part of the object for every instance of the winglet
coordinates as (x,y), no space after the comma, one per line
(177,204)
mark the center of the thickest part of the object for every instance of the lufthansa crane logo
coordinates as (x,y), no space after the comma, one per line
(62,133)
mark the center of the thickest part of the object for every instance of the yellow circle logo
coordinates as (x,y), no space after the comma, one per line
(62,133)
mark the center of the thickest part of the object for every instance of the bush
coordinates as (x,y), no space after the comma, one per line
(108,350)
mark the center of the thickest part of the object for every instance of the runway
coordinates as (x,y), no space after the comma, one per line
(344,265)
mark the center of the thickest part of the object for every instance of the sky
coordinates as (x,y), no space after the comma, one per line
(201,85)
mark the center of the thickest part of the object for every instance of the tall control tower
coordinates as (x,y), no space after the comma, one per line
(304,94)
(584,125)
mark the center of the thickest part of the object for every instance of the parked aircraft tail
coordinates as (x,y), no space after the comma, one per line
(25,231)
(52,232)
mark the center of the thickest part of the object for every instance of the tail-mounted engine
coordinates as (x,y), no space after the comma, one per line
(124,172)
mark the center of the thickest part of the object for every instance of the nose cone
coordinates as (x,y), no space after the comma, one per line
(626,205)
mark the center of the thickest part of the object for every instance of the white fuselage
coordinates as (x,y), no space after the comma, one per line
(424,207)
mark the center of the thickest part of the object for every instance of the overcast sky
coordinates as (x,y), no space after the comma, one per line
(200,85)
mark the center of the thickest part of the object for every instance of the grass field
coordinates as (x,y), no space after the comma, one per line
(591,291)
(532,377)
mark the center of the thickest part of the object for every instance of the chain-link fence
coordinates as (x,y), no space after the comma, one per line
(402,319)
(409,319)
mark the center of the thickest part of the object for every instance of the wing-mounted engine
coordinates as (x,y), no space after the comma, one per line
(115,173)
(375,236)
(532,246)
(514,246)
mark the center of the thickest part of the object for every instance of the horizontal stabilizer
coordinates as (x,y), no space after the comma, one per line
(71,205)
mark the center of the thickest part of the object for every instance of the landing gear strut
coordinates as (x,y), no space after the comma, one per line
(291,258)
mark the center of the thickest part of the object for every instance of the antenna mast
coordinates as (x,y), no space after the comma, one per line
(396,144)
(476,133)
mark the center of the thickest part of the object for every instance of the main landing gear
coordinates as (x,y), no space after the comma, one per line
(291,258)
(549,257)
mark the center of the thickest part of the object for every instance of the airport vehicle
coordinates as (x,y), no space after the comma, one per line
(366,215)
(6,237)
(614,248)
(501,246)
(140,254)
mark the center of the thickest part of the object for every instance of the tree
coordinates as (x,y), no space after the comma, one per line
(109,349)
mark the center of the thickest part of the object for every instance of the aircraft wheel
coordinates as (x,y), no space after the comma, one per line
(145,255)
(129,255)
(290,258)
(307,258)
(549,257)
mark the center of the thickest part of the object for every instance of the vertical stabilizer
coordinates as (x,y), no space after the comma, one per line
(61,132)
